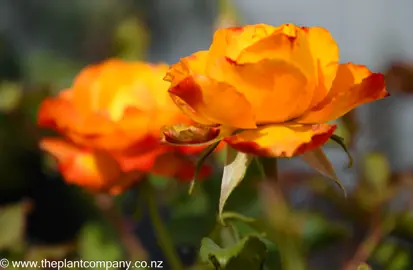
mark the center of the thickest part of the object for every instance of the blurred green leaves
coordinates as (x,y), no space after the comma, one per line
(317,232)
(393,255)
(58,252)
(249,253)
(97,241)
(10,96)
(131,39)
(43,67)
(187,211)
(12,225)
(376,171)
(227,15)
(364,266)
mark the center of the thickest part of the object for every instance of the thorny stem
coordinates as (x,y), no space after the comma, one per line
(164,239)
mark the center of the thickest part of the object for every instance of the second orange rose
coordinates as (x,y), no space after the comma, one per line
(109,123)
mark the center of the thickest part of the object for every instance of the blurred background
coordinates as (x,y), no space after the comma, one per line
(44,44)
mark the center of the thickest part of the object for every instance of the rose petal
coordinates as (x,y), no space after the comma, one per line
(194,150)
(180,72)
(354,85)
(97,86)
(281,140)
(142,161)
(173,164)
(136,85)
(275,69)
(193,64)
(60,114)
(94,170)
(85,89)
(287,43)
(190,112)
(230,42)
(204,100)
(277,91)
(217,102)
(94,129)
(325,53)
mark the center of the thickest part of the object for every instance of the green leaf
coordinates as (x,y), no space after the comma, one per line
(187,211)
(384,253)
(10,96)
(249,253)
(318,160)
(12,224)
(376,170)
(245,200)
(317,232)
(236,165)
(340,141)
(49,68)
(56,252)
(184,206)
(132,39)
(204,155)
(400,261)
(97,241)
(364,266)
(158,182)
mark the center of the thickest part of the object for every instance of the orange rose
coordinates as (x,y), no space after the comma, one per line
(270,90)
(110,119)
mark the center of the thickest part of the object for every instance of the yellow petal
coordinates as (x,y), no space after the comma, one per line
(325,54)
(273,67)
(276,90)
(205,100)
(93,170)
(230,42)
(186,67)
(254,43)
(354,85)
(213,101)
(287,43)
(281,140)
(181,71)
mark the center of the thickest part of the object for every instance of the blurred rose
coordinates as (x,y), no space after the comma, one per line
(110,120)
(276,86)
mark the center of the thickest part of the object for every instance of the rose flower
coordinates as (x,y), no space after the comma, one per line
(110,121)
(269,91)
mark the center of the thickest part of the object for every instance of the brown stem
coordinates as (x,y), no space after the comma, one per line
(378,230)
